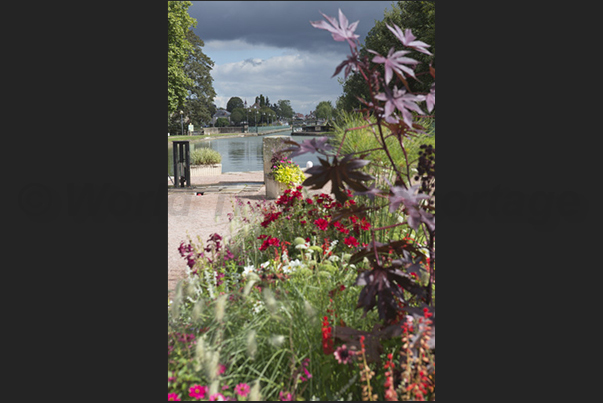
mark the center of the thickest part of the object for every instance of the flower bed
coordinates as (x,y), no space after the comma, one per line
(321,297)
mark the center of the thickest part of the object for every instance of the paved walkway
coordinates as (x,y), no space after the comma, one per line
(197,217)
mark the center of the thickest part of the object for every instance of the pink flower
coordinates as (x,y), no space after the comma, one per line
(408,39)
(221,369)
(340,31)
(173,397)
(399,99)
(283,397)
(216,397)
(197,391)
(343,355)
(242,389)
(395,62)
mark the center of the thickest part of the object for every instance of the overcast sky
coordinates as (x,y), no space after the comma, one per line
(270,48)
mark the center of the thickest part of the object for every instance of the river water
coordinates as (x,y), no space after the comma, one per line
(241,154)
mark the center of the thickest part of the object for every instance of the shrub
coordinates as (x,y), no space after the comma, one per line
(222,122)
(205,156)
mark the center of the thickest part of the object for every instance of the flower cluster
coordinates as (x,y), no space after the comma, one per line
(287,171)
(268,241)
(315,218)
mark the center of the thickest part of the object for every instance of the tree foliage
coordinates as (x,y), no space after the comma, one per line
(238,115)
(222,122)
(324,110)
(198,105)
(419,16)
(284,109)
(179,47)
(266,113)
(233,103)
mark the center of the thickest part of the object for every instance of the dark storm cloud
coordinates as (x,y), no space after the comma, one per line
(282,23)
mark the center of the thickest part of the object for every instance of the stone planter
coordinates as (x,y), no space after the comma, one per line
(273,188)
(206,170)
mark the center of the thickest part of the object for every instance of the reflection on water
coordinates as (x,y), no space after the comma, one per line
(243,154)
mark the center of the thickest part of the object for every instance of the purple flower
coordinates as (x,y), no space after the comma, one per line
(340,31)
(408,39)
(404,102)
(395,62)
(415,215)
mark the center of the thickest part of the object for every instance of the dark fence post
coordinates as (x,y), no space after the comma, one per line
(182,169)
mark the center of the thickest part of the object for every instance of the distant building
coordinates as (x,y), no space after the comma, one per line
(220,113)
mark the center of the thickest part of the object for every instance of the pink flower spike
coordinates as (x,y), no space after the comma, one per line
(340,31)
(408,39)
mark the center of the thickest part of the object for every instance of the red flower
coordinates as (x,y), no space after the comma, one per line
(309,201)
(365,225)
(268,218)
(350,241)
(341,228)
(269,242)
(327,339)
(321,223)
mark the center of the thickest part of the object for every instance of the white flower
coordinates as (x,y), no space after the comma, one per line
(302,246)
(258,306)
(265,264)
(248,269)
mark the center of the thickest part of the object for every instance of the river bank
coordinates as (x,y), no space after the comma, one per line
(224,136)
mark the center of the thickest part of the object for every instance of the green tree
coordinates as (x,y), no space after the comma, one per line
(419,17)
(198,105)
(324,110)
(234,102)
(284,108)
(266,114)
(222,122)
(260,100)
(179,47)
(238,115)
